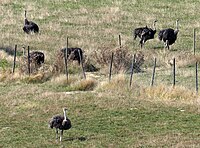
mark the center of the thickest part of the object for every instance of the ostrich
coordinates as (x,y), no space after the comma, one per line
(73,54)
(30,26)
(60,123)
(37,57)
(168,36)
(145,33)
(148,34)
(138,31)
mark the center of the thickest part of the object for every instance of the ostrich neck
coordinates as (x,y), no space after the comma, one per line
(25,14)
(176,25)
(65,116)
(154,25)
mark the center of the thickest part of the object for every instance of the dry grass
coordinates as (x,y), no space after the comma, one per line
(110,114)
(169,95)
(118,84)
(84,85)
(62,80)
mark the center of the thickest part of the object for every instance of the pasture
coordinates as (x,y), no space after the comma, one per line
(103,113)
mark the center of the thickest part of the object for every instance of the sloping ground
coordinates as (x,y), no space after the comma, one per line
(112,114)
(102,118)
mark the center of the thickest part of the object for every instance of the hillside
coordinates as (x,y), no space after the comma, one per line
(103,113)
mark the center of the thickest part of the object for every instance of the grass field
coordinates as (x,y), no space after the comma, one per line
(103,114)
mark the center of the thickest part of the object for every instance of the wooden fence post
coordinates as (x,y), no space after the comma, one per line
(174,72)
(120,41)
(132,69)
(110,70)
(29,69)
(82,64)
(65,60)
(194,41)
(14,62)
(197,78)
(153,75)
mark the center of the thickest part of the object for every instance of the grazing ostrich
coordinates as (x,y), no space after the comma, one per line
(148,34)
(30,26)
(73,54)
(145,33)
(60,123)
(37,57)
(138,31)
(168,36)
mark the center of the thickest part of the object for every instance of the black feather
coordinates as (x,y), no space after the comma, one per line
(30,26)
(60,123)
(168,36)
(145,33)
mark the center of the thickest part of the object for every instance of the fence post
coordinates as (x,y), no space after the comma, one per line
(82,64)
(65,60)
(194,41)
(14,62)
(29,69)
(132,68)
(197,78)
(120,41)
(174,72)
(153,75)
(110,70)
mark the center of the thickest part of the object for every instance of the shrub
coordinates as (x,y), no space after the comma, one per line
(122,58)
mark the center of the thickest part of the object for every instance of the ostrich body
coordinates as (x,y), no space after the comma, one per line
(60,123)
(145,33)
(169,36)
(37,57)
(30,26)
(73,54)
(138,32)
(148,34)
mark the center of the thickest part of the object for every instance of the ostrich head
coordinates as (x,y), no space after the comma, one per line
(51,123)
(177,25)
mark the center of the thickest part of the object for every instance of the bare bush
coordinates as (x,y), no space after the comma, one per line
(122,58)
(59,65)
(23,66)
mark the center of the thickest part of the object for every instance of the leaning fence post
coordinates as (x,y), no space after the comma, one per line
(14,62)
(174,72)
(120,41)
(29,69)
(197,77)
(153,75)
(132,69)
(81,60)
(65,60)
(194,41)
(110,70)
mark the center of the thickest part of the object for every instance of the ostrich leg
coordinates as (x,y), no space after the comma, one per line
(61,135)
(56,133)
(141,43)
(167,44)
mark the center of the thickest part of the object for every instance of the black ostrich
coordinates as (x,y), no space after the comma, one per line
(30,26)
(148,34)
(60,123)
(168,36)
(138,31)
(73,54)
(145,33)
